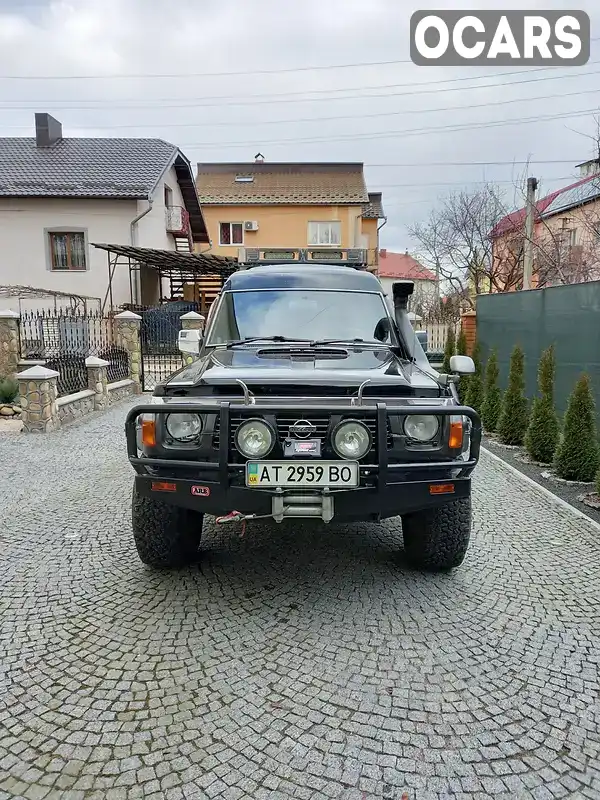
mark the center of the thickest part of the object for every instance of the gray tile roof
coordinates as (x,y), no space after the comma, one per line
(117,168)
(374,208)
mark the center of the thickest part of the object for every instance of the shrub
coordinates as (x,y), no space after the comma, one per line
(449,349)
(492,402)
(474,396)
(541,439)
(578,457)
(512,424)
(9,390)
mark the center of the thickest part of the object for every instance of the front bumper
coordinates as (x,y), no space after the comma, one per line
(391,489)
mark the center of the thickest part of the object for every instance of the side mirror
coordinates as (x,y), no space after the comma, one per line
(382,329)
(189,341)
(462,365)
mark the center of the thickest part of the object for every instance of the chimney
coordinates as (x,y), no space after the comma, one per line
(383,253)
(48,130)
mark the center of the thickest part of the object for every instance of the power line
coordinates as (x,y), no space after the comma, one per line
(337,117)
(278,71)
(289,96)
(406,132)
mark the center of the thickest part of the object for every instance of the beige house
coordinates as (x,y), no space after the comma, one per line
(60,195)
(263,205)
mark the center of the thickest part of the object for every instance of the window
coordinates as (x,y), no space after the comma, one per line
(168,196)
(324,233)
(231,233)
(67,251)
(573,237)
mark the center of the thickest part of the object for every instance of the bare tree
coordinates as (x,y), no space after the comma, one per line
(456,241)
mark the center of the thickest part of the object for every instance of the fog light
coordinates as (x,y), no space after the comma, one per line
(351,440)
(254,438)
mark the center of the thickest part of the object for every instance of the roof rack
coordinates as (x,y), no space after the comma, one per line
(249,257)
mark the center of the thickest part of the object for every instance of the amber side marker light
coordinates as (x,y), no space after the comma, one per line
(149,432)
(455,439)
(160,486)
(441,488)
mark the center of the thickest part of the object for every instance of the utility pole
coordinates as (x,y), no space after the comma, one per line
(532,185)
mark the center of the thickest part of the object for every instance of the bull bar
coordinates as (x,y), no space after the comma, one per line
(382,410)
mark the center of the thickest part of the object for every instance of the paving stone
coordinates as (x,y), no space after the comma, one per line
(298,662)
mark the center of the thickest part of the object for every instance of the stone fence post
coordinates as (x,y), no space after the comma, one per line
(9,343)
(38,390)
(128,337)
(98,381)
(195,322)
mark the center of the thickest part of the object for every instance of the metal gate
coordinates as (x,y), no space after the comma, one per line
(159,330)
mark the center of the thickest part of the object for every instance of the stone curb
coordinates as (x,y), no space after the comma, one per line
(542,490)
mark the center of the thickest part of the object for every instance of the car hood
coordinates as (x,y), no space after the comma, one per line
(332,365)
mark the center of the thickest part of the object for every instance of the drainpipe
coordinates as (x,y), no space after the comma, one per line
(133,237)
(379,227)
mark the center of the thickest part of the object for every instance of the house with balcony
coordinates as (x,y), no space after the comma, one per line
(566,239)
(60,195)
(289,204)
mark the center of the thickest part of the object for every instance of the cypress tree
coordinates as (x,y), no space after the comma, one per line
(492,403)
(512,424)
(449,349)
(475,395)
(578,457)
(541,439)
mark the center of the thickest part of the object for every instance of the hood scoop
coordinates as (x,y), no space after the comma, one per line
(302,353)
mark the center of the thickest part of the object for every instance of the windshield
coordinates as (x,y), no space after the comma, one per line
(300,314)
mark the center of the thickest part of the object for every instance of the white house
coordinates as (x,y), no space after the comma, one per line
(402,266)
(59,195)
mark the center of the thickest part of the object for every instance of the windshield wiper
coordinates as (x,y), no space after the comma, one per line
(317,342)
(250,339)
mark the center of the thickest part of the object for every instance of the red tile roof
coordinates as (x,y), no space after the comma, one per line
(515,220)
(402,266)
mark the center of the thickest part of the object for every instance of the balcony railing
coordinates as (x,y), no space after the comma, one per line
(177,220)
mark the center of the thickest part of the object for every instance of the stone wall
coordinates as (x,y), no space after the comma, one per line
(75,406)
(9,344)
(120,390)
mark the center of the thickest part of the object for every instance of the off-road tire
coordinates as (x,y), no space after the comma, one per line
(437,539)
(165,536)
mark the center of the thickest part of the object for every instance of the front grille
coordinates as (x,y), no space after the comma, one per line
(322,423)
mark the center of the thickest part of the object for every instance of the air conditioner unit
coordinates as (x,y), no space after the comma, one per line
(251,225)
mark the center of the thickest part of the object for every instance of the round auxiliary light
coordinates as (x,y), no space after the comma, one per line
(183,427)
(351,439)
(254,438)
(421,428)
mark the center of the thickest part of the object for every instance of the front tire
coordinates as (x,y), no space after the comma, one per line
(437,539)
(165,536)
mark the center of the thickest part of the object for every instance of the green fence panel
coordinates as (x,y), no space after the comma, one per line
(566,316)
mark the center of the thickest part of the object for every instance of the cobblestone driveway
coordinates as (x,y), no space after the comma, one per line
(297,662)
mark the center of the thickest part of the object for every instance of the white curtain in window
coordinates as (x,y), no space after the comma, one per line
(77,250)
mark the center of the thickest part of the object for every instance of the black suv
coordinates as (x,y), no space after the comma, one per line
(310,397)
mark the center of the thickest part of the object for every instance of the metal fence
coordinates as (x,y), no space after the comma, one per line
(63,341)
(566,316)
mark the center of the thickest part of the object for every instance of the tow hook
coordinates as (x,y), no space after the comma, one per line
(237,516)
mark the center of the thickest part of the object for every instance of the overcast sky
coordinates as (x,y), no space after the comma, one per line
(395,117)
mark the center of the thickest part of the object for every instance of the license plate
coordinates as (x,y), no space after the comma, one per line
(302,473)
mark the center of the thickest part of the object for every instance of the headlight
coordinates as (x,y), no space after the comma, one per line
(421,428)
(254,438)
(183,427)
(351,440)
